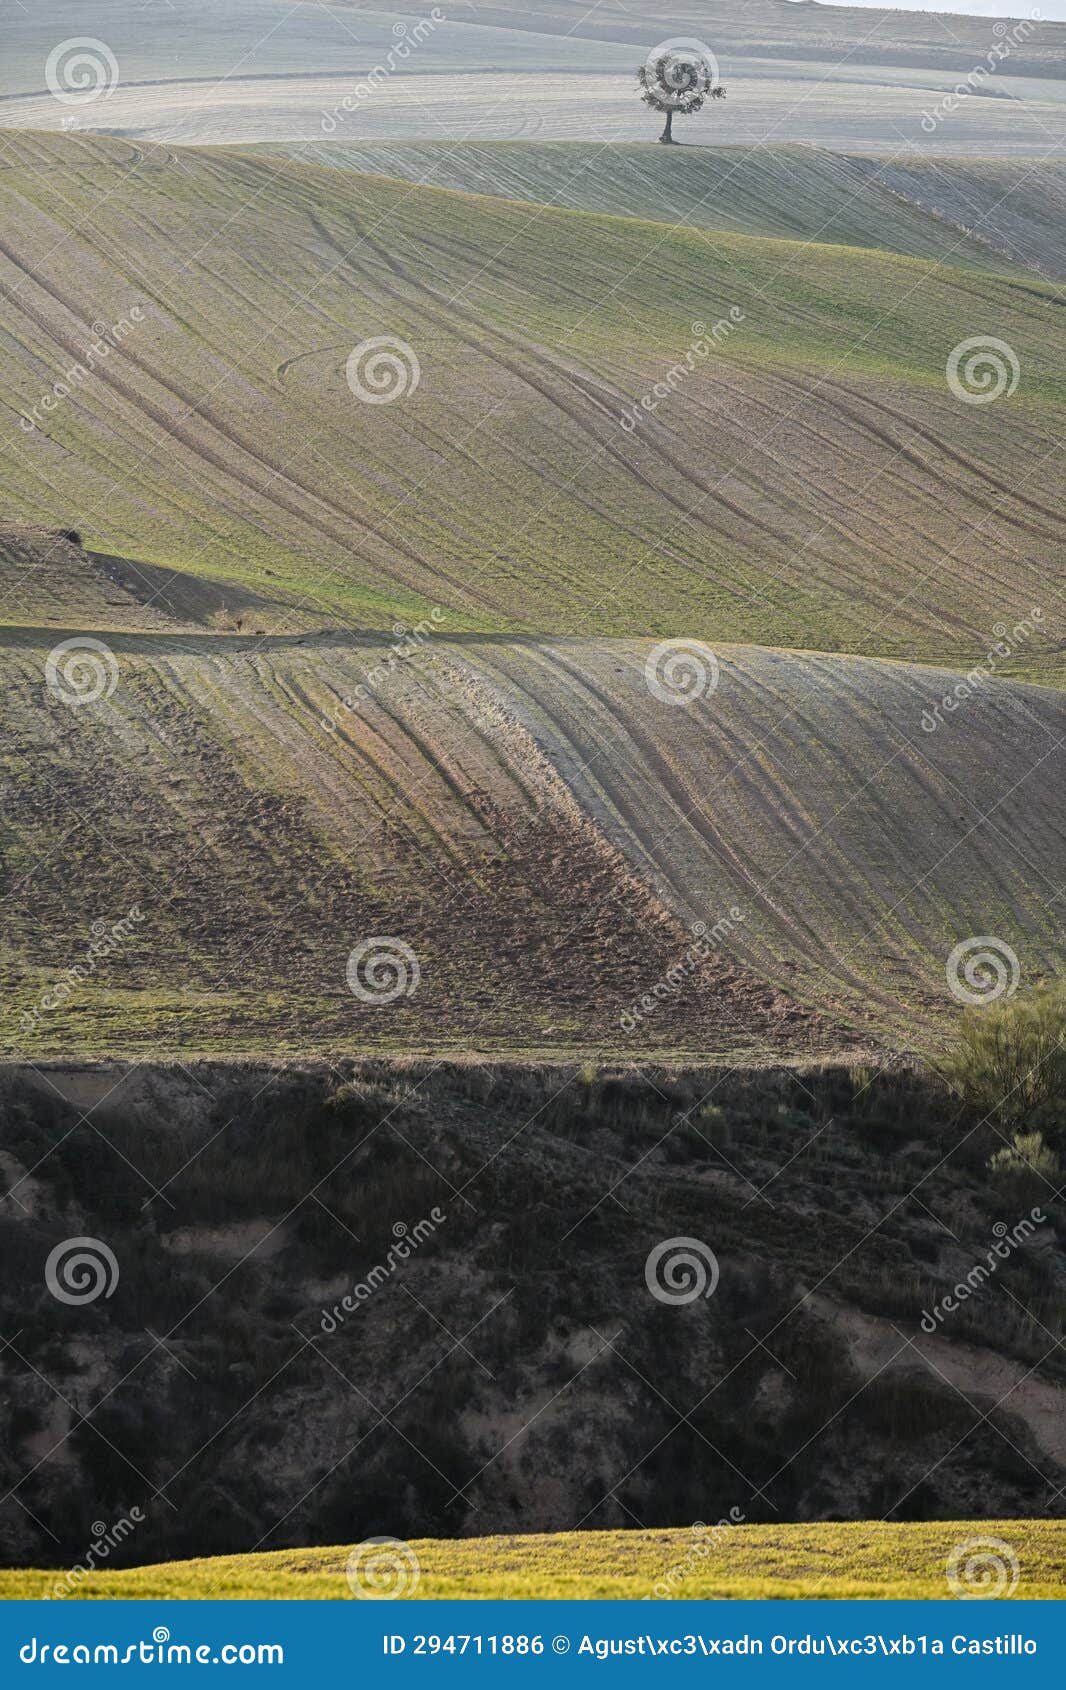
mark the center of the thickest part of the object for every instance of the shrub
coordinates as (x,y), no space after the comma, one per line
(1010,1062)
(1026,1168)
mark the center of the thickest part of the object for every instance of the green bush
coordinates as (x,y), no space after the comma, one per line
(1010,1062)
(1027,1167)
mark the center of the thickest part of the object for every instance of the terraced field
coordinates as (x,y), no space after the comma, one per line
(804,477)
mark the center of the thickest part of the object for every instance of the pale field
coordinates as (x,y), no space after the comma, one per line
(872,115)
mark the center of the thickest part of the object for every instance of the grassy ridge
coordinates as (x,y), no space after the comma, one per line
(828,1561)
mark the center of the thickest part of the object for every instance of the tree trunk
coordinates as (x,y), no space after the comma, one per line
(666,135)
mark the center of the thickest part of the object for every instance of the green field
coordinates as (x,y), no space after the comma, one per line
(897,1562)
(520,486)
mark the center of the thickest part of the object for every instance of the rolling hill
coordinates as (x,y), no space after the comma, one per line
(990,213)
(603,426)
(266,802)
(533,695)
(428,626)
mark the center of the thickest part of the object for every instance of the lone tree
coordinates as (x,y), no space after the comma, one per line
(678,77)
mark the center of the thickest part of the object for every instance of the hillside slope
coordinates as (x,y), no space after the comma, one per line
(990,213)
(802,473)
(513,1367)
(548,835)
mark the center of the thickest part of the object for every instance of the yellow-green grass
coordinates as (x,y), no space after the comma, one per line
(822,1560)
(806,477)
